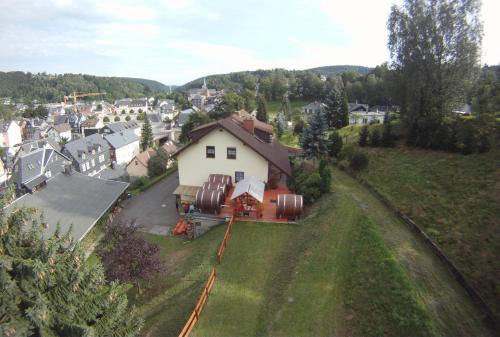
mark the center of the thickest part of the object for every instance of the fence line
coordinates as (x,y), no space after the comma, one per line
(195,315)
(457,274)
(223,244)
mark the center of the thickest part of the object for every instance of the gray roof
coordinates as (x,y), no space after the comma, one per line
(154,118)
(184,116)
(76,147)
(250,185)
(120,126)
(121,139)
(32,165)
(357,107)
(75,199)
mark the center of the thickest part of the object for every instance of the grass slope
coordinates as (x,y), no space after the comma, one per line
(455,198)
(351,269)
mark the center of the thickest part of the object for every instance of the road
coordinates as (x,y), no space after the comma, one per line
(154,208)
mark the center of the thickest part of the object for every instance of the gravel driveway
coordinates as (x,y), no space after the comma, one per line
(154,208)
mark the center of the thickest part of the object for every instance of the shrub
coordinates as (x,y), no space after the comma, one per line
(105,119)
(343,165)
(363,136)
(375,138)
(123,112)
(157,165)
(127,118)
(359,161)
(138,183)
(307,181)
(117,119)
(484,143)
(326,176)
(141,116)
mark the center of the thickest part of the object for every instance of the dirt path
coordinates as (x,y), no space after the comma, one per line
(453,310)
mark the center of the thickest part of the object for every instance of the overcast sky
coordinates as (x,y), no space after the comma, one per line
(175,41)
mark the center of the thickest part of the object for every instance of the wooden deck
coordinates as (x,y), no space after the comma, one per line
(269,211)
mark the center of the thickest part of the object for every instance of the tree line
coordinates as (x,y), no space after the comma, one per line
(26,87)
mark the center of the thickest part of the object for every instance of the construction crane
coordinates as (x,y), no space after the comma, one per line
(81,94)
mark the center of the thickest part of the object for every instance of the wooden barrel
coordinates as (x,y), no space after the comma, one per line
(221,178)
(290,206)
(215,186)
(208,201)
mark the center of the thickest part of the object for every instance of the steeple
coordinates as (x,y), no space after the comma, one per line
(204,84)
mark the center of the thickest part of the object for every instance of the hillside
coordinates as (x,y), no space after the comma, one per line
(52,87)
(337,70)
(248,79)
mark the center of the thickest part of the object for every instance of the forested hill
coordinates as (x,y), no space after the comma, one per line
(52,88)
(337,70)
(247,79)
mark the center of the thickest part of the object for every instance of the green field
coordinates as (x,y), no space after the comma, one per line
(351,268)
(273,107)
(455,198)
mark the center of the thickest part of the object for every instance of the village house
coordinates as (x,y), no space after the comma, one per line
(360,114)
(59,132)
(90,155)
(10,134)
(314,107)
(33,169)
(238,146)
(91,125)
(138,104)
(124,146)
(120,126)
(138,166)
(34,128)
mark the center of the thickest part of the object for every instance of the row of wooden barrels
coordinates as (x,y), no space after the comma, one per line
(211,195)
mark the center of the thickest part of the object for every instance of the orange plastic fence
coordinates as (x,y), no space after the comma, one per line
(223,244)
(186,330)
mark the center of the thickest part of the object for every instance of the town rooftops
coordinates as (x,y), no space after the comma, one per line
(71,200)
(86,145)
(273,151)
(31,165)
(63,127)
(120,126)
(121,139)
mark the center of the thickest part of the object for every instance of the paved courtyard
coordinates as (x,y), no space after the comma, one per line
(154,209)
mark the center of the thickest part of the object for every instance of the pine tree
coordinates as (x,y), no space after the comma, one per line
(335,145)
(375,138)
(313,139)
(261,109)
(146,134)
(337,111)
(281,124)
(363,136)
(49,290)
(387,136)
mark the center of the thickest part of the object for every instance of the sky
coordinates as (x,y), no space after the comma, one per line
(176,41)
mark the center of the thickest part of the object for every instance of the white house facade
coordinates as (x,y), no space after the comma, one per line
(124,146)
(10,134)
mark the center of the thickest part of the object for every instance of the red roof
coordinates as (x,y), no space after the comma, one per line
(273,152)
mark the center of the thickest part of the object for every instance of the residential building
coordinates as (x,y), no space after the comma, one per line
(170,149)
(10,134)
(124,146)
(361,114)
(90,155)
(138,104)
(183,116)
(34,128)
(231,146)
(120,126)
(59,132)
(91,125)
(138,166)
(71,200)
(33,169)
(314,107)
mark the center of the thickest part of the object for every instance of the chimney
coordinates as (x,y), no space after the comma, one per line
(248,124)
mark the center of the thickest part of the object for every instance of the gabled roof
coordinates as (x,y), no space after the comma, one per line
(357,107)
(145,156)
(121,139)
(273,152)
(32,165)
(82,145)
(241,115)
(250,185)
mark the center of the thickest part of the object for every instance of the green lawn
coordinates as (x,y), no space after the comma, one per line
(455,198)
(170,300)
(351,268)
(273,107)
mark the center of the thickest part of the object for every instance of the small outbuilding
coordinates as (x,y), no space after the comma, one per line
(248,197)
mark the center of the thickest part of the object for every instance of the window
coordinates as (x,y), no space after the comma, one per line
(83,168)
(210,151)
(92,162)
(239,176)
(101,158)
(231,153)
